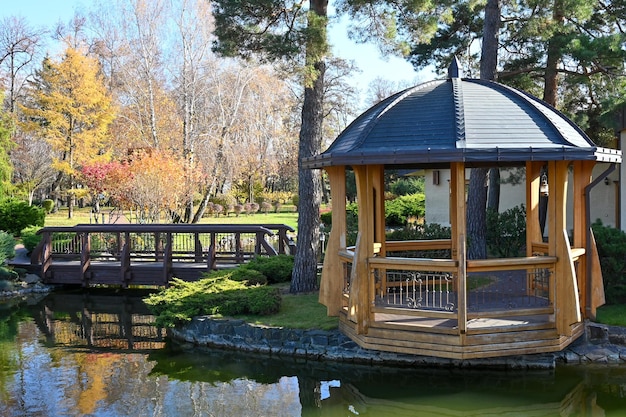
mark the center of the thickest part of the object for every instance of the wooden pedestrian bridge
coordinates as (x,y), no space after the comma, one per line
(151,254)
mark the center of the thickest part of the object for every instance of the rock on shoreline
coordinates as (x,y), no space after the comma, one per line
(600,345)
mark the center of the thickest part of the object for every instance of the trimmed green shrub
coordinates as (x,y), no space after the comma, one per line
(17,215)
(506,232)
(400,210)
(250,276)
(47,205)
(7,246)
(182,301)
(276,268)
(21,272)
(406,186)
(611,244)
(30,238)
(6,285)
(426,231)
(7,274)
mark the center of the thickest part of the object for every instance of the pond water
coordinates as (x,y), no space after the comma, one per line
(98,354)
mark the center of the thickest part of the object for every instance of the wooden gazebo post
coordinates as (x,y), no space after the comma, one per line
(331,288)
(567,304)
(458,225)
(582,178)
(364,248)
(370,197)
(534,234)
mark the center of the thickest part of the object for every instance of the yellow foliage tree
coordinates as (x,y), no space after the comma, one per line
(159,185)
(70,108)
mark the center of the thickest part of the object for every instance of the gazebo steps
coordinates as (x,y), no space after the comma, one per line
(425,341)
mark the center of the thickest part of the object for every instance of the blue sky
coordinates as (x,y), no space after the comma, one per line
(49,12)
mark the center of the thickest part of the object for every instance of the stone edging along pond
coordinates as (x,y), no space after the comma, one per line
(600,345)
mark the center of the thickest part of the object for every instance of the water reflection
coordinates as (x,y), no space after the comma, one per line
(98,320)
(95,355)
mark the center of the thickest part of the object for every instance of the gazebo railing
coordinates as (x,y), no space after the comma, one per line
(429,288)
(415,286)
(510,286)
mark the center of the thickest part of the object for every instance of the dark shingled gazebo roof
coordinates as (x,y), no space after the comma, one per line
(460,120)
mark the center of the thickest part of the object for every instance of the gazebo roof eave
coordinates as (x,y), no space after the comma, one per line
(470,156)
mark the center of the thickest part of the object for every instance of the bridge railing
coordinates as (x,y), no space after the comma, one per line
(127,244)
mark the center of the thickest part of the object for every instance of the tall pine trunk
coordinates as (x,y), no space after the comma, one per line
(304,276)
(551,77)
(477,192)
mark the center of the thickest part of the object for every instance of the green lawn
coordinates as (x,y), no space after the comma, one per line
(612,315)
(287,216)
(302,311)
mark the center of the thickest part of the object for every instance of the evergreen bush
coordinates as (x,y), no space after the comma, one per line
(425,231)
(182,300)
(7,247)
(406,186)
(277,269)
(250,276)
(16,215)
(7,274)
(506,232)
(47,205)
(400,210)
(611,244)
(30,238)
(6,285)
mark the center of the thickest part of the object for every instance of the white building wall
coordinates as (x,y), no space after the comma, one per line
(603,197)
(437,196)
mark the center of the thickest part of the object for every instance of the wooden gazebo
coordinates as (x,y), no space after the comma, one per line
(388,299)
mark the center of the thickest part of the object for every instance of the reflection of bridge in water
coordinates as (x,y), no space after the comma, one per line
(107,322)
(150,254)
(98,321)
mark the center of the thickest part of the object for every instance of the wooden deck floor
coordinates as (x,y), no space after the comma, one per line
(484,336)
(476,323)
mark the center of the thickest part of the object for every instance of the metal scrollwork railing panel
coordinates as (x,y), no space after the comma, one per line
(417,290)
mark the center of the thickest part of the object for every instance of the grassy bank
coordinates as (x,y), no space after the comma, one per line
(286,216)
(302,311)
(612,315)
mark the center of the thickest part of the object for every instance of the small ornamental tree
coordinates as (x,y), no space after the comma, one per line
(160,185)
(104,179)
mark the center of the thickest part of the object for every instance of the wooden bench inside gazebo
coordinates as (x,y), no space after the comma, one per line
(455,307)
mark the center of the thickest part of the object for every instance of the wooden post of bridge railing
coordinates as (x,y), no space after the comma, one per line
(85,256)
(197,247)
(238,248)
(158,246)
(282,238)
(125,271)
(46,254)
(211,255)
(257,243)
(167,258)
(261,242)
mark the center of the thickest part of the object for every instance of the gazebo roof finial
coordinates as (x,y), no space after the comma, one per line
(454,70)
